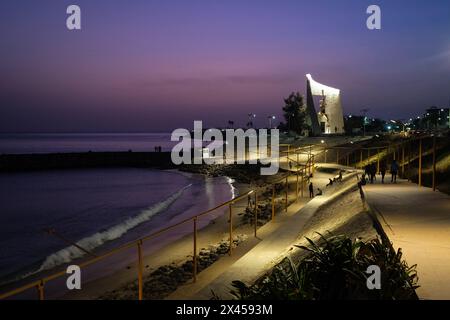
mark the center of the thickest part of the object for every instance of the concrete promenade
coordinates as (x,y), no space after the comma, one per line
(418,221)
(258,255)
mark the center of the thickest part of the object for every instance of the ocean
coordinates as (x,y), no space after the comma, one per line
(97,208)
(25,143)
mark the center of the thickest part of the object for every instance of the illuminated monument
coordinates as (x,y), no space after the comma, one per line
(330,119)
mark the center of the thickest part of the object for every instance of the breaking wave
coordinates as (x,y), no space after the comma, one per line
(91,242)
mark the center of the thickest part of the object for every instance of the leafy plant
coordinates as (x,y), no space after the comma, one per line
(335,269)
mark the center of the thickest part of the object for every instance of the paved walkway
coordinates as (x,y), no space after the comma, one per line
(253,259)
(418,221)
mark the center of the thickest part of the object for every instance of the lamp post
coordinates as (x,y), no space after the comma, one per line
(250,121)
(364,113)
(289,121)
(270,121)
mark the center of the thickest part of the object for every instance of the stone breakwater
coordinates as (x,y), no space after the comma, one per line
(50,161)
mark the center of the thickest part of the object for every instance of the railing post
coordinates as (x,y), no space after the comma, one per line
(230,218)
(403,160)
(434,163)
(309,164)
(378,160)
(273,202)
(140,271)
(256,212)
(287,190)
(313,161)
(296,189)
(361,159)
(420,162)
(337,156)
(302,183)
(326,151)
(40,288)
(194,266)
(409,159)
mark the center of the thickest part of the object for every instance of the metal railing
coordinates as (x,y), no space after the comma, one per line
(404,152)
(300,171)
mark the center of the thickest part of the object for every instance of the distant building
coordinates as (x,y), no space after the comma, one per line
(330,118)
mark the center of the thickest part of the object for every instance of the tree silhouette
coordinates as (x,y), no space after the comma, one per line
(295,113)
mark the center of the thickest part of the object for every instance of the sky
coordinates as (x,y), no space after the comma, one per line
(153,66)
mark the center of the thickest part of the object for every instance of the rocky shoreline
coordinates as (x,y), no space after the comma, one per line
(161,282)
(167,278)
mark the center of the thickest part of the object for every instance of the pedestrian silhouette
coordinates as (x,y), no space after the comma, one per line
(372,172)
(394,171)
(330,183)
(311,190)
(382,171)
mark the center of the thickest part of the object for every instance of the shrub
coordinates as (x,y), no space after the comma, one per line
(333,270)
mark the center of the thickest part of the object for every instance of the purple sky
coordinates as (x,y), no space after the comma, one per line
(140,66)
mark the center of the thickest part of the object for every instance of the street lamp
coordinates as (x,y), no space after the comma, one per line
(364,113)
(250,121)
(401,121)
(270,121)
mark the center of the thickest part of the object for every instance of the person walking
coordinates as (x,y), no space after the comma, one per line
(382,171)
(311,190)
(373,172)
(394,171)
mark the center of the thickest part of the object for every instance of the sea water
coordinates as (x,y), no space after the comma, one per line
(96,208)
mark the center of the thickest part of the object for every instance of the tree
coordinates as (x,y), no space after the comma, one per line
(295,113)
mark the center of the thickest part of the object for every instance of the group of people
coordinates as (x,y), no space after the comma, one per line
(158,149)
(370,172)
(319,192)
(335,179)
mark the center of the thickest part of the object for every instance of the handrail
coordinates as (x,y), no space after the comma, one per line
(42,281)
(120,248)
(39,284)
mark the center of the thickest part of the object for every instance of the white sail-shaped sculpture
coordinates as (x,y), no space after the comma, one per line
(331,118)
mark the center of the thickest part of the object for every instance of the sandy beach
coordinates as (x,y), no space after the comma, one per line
(171,266)
(168,267)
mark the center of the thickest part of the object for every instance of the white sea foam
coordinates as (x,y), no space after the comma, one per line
(89,243)
(234,190)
